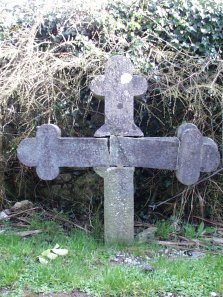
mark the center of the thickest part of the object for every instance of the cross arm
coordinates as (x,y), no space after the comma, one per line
(48,151)
(189,153)
(147,152)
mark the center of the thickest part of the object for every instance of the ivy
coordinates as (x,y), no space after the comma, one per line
(195,26)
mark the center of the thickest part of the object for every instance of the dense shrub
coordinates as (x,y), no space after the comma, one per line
(195,26)
(47,62)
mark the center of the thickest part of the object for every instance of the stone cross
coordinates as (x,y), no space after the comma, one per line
(118,147)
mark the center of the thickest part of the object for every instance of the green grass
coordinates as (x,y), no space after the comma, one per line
(88,267)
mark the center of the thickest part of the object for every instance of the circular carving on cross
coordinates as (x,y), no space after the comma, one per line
(119,87)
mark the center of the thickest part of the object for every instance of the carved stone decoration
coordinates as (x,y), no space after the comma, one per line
(48,151)
(119,87)
(120,148)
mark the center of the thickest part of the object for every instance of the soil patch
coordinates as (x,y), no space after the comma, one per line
(74,293)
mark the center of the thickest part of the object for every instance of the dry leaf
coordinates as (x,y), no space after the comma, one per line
(56,246)
(43,260)
(60,252)
(46,252)
(51,256)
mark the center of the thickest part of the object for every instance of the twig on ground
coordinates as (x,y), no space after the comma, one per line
(187,243)
(67,221)
(217,224)
(28,233)
(14,215)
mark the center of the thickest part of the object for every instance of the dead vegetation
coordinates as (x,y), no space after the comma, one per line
(46,80)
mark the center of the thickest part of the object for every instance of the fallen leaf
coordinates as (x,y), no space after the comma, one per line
(52,256)
(56,246)
(45,253)
(60,252)
(49,254)
(43,260)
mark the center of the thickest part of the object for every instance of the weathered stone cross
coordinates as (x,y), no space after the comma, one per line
(116,151)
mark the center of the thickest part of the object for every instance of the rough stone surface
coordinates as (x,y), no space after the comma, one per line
(147,234)
(189,161)
(3,216)
(149,152)
(22,205)
(189,154)
(119,87)
(210,156)
(118,203)
(48,151)
(195,154)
